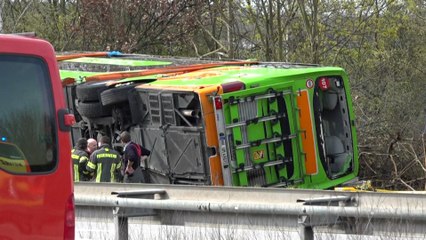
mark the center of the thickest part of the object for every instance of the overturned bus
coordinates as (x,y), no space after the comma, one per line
(232,124)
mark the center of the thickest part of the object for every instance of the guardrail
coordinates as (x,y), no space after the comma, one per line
(306,212)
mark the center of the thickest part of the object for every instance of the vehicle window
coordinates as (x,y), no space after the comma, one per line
(333,128)
(27,116)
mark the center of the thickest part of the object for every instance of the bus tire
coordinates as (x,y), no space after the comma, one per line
(90,92)
(93,109)
(116,95)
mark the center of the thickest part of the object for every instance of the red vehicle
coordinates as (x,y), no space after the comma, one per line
(36,191)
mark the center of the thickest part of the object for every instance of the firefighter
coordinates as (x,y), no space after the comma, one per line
(105,161)
(80,159)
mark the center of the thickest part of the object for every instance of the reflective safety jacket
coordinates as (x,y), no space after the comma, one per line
(107,164)
(80,159)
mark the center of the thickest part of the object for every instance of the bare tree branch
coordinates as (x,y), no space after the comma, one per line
(405,184)
(1,15)
(20,16)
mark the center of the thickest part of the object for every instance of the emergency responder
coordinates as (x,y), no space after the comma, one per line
(105,161)
(132,157)
(92,145)
(80,159)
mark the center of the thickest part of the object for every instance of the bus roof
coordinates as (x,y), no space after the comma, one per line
(245,74)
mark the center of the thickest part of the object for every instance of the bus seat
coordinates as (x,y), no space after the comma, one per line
(329,101)
(336,152)
(333,145)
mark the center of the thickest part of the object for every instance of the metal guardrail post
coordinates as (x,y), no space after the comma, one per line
(306,231)
(121,216)
(121,224)
(307,222)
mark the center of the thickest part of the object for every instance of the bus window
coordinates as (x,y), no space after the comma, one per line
(333,128)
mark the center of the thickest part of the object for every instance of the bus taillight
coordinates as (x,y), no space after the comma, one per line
(218,103)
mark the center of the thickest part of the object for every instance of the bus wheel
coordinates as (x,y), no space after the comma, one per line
(93,109)
(116,95)
(90,92)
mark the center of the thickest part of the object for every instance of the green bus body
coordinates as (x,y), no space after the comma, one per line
(269,125)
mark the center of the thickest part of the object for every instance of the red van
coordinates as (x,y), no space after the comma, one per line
(36,191)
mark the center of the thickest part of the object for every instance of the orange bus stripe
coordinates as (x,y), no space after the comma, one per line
(308,139)
(80,55)
(211,133)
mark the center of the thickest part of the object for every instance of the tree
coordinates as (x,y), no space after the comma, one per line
(310,21)
(212,34)
(270,21)
(389,95)
(136,26)
(1,15)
